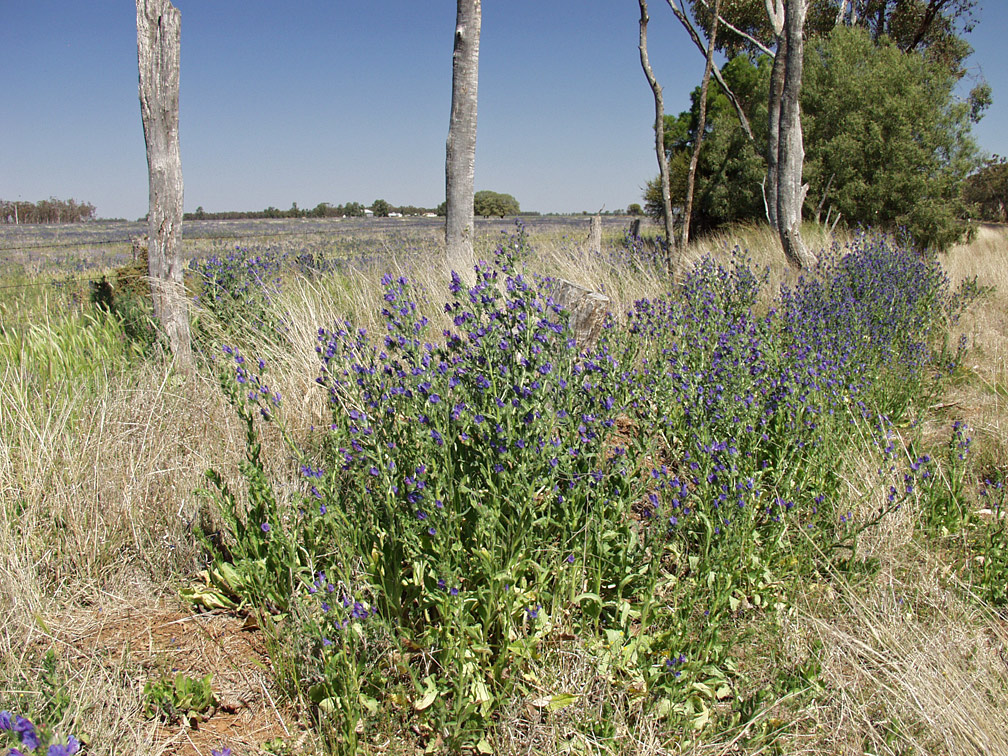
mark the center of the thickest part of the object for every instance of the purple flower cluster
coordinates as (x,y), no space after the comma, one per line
(250,380)
(338,609)
(30,739)
(241,275)
(496,433)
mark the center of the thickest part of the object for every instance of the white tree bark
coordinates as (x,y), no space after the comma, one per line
(158,45)
(776,14)
(791,148)
(663,172)
(460,152)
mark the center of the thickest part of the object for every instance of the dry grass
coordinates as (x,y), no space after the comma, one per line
(97,491)
(908,665)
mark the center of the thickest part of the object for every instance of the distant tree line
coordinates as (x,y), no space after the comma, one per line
(379,207)
(51,210)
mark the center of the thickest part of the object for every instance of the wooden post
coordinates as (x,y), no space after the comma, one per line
(595,235)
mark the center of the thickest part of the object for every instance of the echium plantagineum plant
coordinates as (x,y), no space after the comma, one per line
(240,275)
(240,289)
(755,409)
(478,461)
(478,468)
(709,382)
(880,313)
(24,738)
(473,486)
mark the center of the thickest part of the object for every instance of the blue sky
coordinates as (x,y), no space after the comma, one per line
(344,101)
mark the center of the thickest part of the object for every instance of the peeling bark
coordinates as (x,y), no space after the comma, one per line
(791,149)
(158,46)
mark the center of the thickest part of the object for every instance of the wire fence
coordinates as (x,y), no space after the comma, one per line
(129,241)
(26,247)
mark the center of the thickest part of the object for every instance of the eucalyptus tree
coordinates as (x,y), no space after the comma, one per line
(159,26)
(460,150)
(659,129)
(785,145)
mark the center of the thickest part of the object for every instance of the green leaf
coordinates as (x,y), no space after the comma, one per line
(702,718)
(480,693)
(429,696)
(562,701)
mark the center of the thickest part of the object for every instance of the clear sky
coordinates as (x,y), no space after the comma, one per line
(348,100)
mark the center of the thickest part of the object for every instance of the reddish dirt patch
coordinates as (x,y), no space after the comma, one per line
(159,640)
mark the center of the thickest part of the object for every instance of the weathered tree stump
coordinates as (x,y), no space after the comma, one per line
(587,310)
(140,247)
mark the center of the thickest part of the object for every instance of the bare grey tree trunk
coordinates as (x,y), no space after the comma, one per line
(791,149)
(460,152)
(773,112)
(663,173)
(701,125)
(158,43)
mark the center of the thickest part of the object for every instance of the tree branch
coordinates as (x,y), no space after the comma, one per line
(687,24)
(745,35)
(929,16)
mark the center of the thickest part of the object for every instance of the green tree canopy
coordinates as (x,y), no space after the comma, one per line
(934,27)
(487,203)
(883,131)
(887,137)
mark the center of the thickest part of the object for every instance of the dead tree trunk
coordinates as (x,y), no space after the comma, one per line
(663,172)
(460,152)
(158,39)
(701,125)
(791,149)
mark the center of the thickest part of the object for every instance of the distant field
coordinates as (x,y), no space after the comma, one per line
(102,242)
